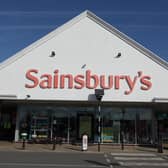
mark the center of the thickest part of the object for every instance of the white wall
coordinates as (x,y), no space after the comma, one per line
(84,43)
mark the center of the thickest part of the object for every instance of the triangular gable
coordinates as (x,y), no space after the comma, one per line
(99,21)
(86,57)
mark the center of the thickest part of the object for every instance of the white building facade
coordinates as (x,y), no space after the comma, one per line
(54,81)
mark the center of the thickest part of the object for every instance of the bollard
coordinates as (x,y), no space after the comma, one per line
(160,144)
(24,136)
(54,131)
(122,140)
(159,133)
(54,143)
(84,142)
(23,144)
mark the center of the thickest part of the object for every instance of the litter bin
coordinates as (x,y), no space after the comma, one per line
(24,137)
(84,142)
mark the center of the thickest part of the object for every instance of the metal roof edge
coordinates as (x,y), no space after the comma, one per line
(8,96)
(160,100)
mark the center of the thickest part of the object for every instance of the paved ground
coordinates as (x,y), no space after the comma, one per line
(41,155)
(59,148)
(16,159)
(8,146)
(27,159)
(137,160)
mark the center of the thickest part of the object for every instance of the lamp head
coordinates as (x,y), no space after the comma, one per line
(99,93)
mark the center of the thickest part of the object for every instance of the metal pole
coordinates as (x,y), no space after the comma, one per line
(68,133)
(54,143)
(99,126)
(54,133)
(136,127)
(122,131)
(160,143)
(99,94)
(23,144)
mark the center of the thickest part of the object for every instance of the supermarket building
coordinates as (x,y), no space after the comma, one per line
(53,81)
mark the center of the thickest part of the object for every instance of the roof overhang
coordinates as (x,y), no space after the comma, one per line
(160,100)
(8,97)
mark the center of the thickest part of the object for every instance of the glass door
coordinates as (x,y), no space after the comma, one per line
(39,126)
(59,125)
(7,122)
(85,125)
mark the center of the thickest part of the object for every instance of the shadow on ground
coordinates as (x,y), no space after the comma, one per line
(96,163)
(74,148)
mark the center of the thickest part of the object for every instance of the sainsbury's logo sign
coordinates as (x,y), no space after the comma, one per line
(87,80)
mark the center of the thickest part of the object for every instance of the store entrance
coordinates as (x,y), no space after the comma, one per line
(85,125)
(59,128)
(7,122)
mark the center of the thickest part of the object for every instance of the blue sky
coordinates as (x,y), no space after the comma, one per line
(25,21)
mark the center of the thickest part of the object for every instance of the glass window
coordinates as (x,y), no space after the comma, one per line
(129,117)
(60,117)
(38,121)
(144,126)
(111,124)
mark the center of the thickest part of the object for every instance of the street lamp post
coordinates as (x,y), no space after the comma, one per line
(99,94)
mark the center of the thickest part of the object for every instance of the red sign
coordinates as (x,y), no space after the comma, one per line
(87,80)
